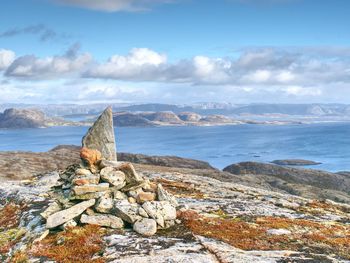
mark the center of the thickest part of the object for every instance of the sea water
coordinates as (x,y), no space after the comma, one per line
(328,143)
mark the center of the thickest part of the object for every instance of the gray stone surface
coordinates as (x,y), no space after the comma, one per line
(64,216)
(145,227)
(101,136)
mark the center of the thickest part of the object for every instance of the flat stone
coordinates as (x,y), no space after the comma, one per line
(102,220)
(82,171)
(126,211)
(163,195)
(101,136)
(104,204)
(90,188)
(145,227)
(53,208)
(133,186)
(113,176)
(87,179)
(88,196)
(64,216)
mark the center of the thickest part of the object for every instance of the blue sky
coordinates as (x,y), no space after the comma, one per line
(174,51)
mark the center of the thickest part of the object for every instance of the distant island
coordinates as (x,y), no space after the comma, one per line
(34,118)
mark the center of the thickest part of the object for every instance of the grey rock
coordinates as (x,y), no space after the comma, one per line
(53,208)
(71,223)
(102,220)
(142,212)
(104,204)
(64,216)
(88,196)
(114,177)
(101,136)
(118,195)
(126,211)
(163,195)
(82,171)
(145,227)
(278,232)
(160,211)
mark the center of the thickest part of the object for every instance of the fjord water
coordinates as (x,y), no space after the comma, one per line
(328,143)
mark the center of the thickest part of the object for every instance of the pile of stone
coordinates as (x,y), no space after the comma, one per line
(102,191)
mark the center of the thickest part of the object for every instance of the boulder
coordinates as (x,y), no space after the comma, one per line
(126,211)
(87,179)
(113,176)
(101,136)
(104,204)
(102,220)
(64,216)
(145,227)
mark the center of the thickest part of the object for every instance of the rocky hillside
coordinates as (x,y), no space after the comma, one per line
(15,118)
(28,118)
(170,118)
(23,165)
(304,182)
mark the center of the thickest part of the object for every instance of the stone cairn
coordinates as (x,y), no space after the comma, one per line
(102,191)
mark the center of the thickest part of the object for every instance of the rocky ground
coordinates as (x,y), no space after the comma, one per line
(221,222)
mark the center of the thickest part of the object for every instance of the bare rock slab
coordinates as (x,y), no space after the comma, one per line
(102,220)
(101,136)
(64,216)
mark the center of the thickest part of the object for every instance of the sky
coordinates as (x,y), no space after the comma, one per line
(174,51)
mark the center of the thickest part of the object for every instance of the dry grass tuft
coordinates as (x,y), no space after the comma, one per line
(78,244)
(9,216)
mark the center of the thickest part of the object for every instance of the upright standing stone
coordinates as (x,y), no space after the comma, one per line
(101,136)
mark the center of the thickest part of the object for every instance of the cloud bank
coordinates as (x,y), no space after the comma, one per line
(260,74)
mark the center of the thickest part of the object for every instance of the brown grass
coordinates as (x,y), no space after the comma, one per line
(78,244)
(305,234)
(9,215)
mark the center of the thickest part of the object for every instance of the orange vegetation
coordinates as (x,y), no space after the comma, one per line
(9,215)
(78,244)
(305,234)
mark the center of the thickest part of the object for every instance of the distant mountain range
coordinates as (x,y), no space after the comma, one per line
(206,108)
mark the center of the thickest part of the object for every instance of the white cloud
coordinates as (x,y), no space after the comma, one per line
(147,75)
(113,5)
(6,58)
(140,63)
(32,67)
